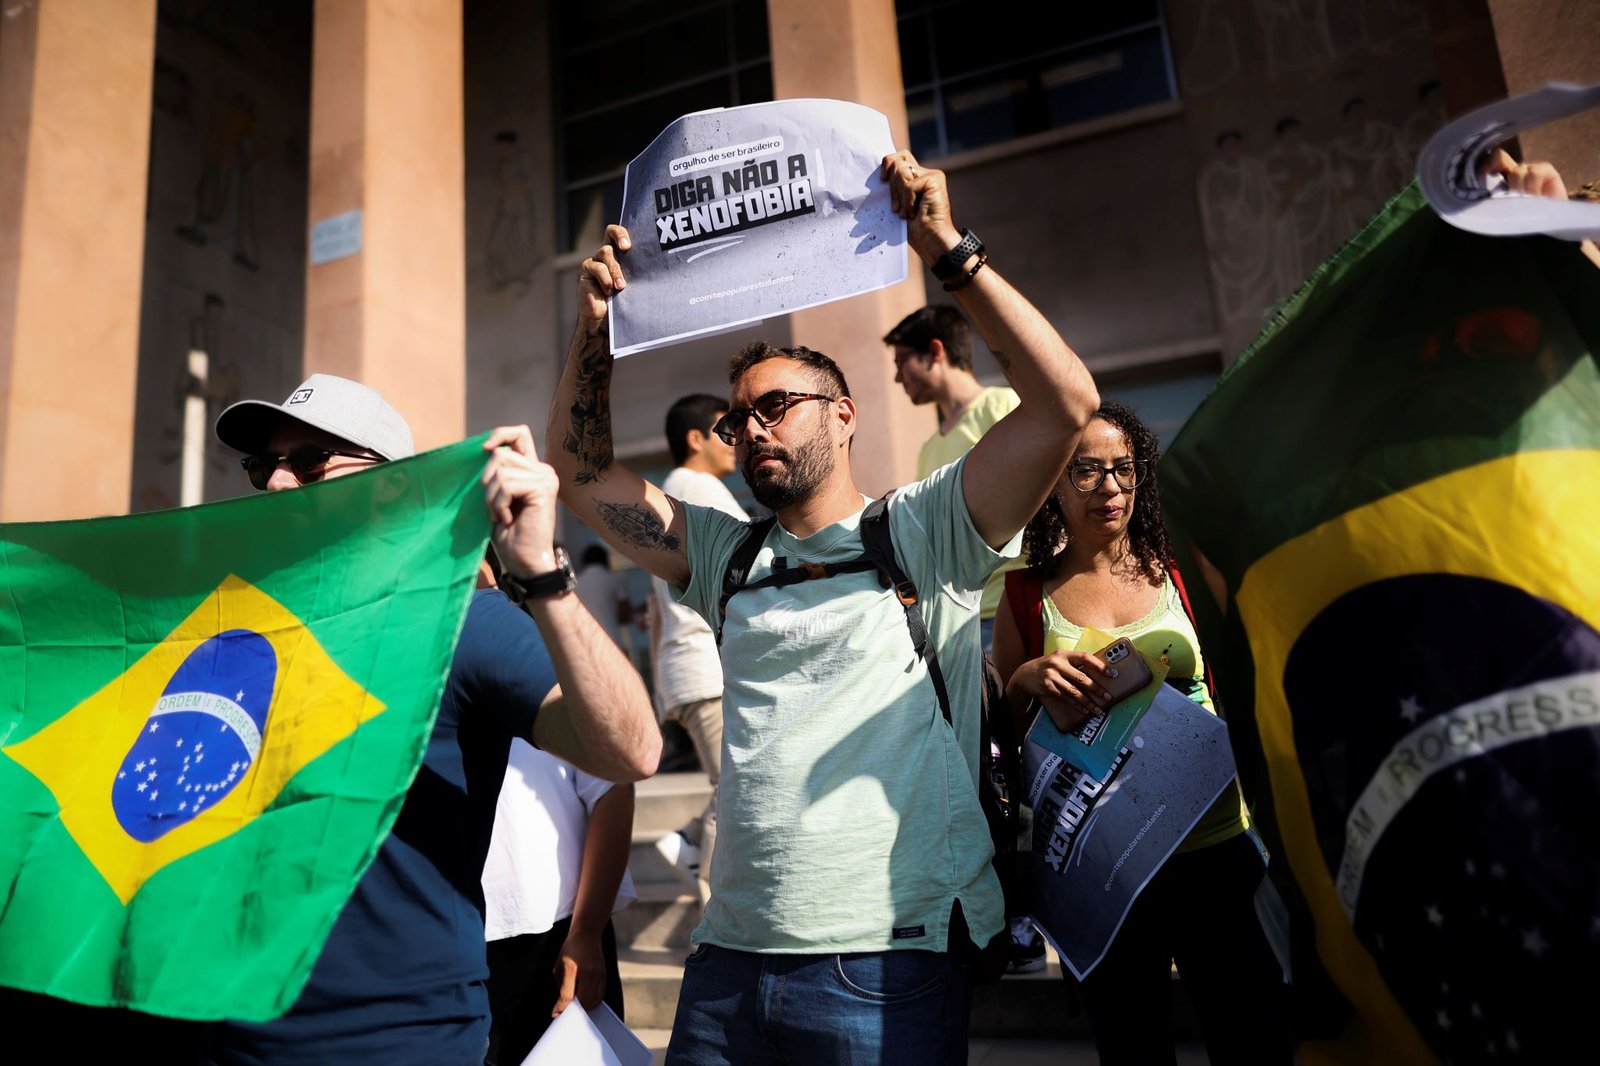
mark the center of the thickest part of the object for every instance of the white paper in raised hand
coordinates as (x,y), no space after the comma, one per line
(577,1038)
(746,213)
(1448,169)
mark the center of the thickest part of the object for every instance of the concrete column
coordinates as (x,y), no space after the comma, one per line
(1553,40)
(849,50)
(75,92)
(386,141)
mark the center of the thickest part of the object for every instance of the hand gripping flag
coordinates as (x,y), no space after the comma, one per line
(208,720)
(1394,499)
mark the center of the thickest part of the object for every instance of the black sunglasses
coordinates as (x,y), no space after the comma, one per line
(307,463)
(768,411)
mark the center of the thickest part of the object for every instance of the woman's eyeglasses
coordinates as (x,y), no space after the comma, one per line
(307,463)
(768,411)
(1087,477)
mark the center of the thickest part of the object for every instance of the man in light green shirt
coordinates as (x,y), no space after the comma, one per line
(852,859)
(933,363)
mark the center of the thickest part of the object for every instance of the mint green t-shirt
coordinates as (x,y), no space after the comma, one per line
(847,812)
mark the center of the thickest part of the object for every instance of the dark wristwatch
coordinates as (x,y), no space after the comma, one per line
(950,263)
(539,586)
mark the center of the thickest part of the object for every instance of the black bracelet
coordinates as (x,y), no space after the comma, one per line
(949,265)
(966,279)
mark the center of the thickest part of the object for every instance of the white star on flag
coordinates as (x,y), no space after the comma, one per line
(1410,709)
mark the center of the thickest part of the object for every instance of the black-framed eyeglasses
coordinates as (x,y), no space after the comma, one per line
(1087,477)
(308,463)
(767,410)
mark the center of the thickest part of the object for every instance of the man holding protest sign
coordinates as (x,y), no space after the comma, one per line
(852,844)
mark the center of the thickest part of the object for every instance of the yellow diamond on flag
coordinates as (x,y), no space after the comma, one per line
(195,739)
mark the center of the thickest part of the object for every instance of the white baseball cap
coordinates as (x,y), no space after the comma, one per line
(348,409)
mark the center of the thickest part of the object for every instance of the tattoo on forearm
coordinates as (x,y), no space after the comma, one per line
(589,434)
(638,525)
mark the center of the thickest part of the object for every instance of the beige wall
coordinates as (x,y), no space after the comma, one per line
(74,139)
(387,139)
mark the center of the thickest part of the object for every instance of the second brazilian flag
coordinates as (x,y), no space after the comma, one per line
(1394,500)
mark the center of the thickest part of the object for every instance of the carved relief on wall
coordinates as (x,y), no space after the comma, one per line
(512,250)
(1295,37)
(1304,117)
(225,193)
(226,238)
(1235,211)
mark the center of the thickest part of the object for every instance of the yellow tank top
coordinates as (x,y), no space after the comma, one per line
(1165,635)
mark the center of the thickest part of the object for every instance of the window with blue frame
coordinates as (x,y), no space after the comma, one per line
(974,79)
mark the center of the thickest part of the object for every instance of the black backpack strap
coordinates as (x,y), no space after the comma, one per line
(879,548)
(744,557)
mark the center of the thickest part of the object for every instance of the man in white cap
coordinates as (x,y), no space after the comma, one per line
(401,979)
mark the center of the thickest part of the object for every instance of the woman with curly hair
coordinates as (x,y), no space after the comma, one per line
(1098,557)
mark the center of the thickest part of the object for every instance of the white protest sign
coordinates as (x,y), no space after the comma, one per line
(578,1038)
(1097,841)
(739,214)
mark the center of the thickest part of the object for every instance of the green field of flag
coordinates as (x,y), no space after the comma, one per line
(209,718)
(1389,512)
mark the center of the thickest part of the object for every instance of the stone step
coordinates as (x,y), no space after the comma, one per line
(663,916)
(646,864)
(666,801)
(651,978)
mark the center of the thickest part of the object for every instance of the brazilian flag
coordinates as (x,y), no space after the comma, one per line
(1392,501)
(209,718)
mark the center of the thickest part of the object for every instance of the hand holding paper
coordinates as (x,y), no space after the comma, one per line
(1490,201)
(743,213)
(578,1038)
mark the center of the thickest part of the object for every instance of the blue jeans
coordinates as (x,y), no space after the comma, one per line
(885,1008)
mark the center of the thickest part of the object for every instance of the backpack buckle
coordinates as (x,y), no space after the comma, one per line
(906,592)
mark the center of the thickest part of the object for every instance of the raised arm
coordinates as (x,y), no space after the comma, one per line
(1014,466)
(635,518)
(599,716)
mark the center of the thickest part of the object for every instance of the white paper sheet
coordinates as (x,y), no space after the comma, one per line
(744,213)
(1448,169)
(578,1038)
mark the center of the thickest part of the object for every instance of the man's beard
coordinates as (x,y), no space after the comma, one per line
(802,473)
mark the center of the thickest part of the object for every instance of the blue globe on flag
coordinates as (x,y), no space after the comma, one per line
(200,738)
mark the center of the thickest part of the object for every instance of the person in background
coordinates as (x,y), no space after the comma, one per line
(602,591)
(688,673)
(1098,556)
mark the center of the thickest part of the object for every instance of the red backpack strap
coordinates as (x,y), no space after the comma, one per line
(1025,597)
(1188,609)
